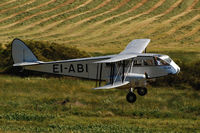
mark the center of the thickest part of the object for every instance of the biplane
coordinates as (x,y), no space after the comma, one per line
(131,68)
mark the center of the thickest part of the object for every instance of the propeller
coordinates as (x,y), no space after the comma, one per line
(146,75)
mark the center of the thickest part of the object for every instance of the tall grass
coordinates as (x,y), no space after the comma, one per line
(68,104)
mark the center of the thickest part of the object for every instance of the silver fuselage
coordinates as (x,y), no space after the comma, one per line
(87,68)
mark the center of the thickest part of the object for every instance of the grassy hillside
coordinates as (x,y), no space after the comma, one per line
(98,25)
(64,104)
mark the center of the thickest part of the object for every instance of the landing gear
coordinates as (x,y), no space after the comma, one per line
(141,91)
(131,97)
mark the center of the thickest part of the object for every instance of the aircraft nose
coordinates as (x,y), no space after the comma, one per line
(176,67)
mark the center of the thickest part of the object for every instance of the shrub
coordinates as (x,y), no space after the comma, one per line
(46,51)
(189,75)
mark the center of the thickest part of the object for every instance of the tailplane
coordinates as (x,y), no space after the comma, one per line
(21,53)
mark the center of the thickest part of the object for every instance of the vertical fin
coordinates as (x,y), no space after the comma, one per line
(21,53)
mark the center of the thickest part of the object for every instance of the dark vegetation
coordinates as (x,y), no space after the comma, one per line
(45,51)
(188,77)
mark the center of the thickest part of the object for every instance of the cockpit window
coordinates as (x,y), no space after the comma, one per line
(162,60)
(144,61)
(148,62)
(168,60)
(137,62)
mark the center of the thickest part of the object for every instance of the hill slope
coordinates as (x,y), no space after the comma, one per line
(96,25)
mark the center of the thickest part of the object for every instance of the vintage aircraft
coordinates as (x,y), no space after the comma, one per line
(130,68)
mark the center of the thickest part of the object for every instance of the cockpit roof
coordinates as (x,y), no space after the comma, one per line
(151,54)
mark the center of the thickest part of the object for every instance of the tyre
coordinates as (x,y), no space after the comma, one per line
(131,97)
(141,91)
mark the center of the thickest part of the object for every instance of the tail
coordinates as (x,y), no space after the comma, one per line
(21,54)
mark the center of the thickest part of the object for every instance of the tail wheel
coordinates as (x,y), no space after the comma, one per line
(141,91)
(131,97)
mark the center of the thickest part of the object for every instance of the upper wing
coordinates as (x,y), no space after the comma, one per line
(136,46)
(118,58)
(132,50)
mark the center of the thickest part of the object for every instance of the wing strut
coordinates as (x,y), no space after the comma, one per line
(97,75)
(111,69)
(113,72)
(123,71)
(100,74)
(119,71)
(112,65)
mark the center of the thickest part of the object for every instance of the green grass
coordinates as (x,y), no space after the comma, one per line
(177,10)
(31,12)
(110,5)
(156,11)
(119,10)
(13,4)
(22,15)
(44,15)
(35,104)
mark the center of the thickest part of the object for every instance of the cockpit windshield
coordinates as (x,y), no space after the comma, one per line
(163,60)
(168,60)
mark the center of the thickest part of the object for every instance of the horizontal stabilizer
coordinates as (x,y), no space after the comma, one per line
(115,85)
(28,63)
(118,58)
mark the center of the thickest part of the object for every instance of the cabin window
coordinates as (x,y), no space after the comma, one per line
(148,62)
(137,63)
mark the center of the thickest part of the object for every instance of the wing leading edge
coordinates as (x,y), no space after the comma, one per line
(132,50)
(118,58)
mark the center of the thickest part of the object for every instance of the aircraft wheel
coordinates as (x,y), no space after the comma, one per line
(141,91)
(131,97)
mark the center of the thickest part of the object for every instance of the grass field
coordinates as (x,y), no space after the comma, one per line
(99,27)
(36,104)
